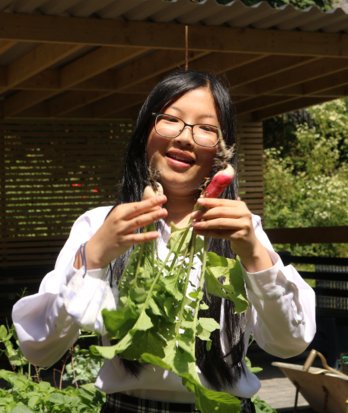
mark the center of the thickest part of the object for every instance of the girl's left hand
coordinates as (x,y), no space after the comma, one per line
(232,220)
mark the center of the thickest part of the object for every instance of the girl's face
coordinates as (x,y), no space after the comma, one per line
(181,163)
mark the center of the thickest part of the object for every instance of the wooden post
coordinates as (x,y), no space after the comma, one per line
(250,165)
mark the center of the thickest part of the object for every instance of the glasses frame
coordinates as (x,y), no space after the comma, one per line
(219,132)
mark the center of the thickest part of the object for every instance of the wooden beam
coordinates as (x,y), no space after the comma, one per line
(6,45)
(90,111)
(23,100)
(38,59)
(49,80)
(95,63)
(266,67)
(46,80)
(137,71)
(109,105)
(99,32)
(334,93)
(69,101)
(157,63)
(3,77)
(318,85)
(222,62)
(259,102)
(293,76)
(108,80)
(86,66)
(288,105)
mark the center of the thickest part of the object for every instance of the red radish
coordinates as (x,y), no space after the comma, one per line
(219,183)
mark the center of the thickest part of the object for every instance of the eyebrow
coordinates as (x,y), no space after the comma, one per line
(201,116)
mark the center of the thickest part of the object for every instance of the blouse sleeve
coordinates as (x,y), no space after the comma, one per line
(48,322)
(282,305)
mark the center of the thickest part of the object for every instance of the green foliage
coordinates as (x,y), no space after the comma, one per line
(24,395)
(306,185)
(23,392)
(157,321)
(261,406)
(300,4)
(10,348)
(82,368)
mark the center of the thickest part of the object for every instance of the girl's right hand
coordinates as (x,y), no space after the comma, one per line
(119,230)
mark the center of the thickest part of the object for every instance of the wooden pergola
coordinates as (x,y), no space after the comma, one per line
(73,74)
(58,65)
(85,65)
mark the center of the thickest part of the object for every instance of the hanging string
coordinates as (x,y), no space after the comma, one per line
(186,46)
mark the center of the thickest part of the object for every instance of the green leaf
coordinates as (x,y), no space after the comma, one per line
(180,238)
(143,323)
(22,409)
(205,327)
(171,285)
(209,401)
(232,285)
(118,322)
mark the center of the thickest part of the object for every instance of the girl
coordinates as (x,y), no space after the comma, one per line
(181,132)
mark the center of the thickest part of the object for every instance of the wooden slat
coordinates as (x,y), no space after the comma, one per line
(40,197)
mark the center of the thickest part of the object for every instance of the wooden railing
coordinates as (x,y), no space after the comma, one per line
(23,263)
(329,277)
(312,235)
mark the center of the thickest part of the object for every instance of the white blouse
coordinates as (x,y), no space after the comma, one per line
(281,316)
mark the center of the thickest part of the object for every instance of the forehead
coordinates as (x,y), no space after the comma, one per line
(197,102)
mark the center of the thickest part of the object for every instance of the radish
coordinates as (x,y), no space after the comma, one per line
(150,191)
(219,183)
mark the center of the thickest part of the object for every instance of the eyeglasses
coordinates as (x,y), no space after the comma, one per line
(170,126)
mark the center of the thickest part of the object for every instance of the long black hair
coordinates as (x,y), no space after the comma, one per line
(220,369)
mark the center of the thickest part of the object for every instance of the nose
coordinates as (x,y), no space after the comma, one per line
(186,136)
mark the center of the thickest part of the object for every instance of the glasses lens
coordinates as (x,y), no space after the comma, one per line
(206,135)
(168,126)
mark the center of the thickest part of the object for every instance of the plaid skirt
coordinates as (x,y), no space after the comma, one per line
(122,403)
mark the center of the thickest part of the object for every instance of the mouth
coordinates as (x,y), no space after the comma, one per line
(181,157)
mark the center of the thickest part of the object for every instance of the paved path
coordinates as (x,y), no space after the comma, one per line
(276,389)
(280,393)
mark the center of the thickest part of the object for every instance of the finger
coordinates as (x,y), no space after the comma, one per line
(213,233)
(133,209)
(138,238)
(210,202)
(141,207)
(219,224)
(207,203)
(146,219)
(219,212)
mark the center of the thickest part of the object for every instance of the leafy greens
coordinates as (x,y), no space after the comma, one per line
(157,320)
